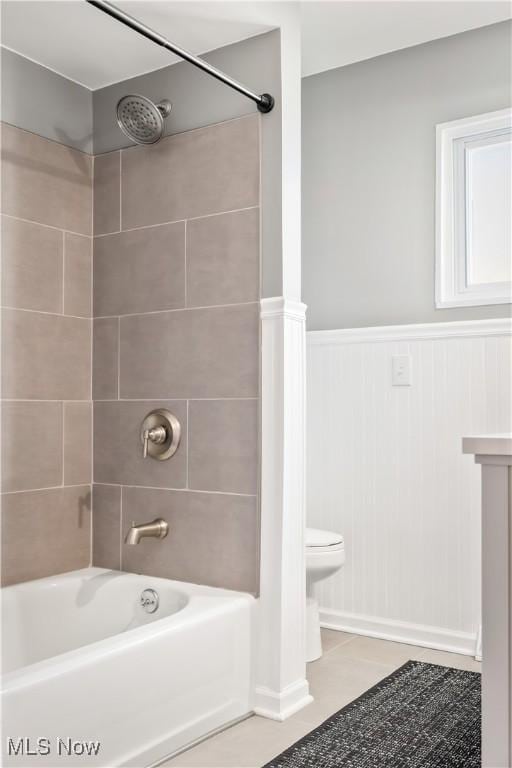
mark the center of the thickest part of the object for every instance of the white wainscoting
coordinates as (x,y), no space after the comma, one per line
(385,468)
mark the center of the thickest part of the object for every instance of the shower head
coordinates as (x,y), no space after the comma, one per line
(141,120)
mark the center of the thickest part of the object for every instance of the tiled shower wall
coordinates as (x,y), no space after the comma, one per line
(46,356)
(176,292)
(176,297)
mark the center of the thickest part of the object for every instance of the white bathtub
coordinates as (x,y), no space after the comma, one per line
(83,661)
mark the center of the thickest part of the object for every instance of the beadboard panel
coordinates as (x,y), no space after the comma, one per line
(385,468)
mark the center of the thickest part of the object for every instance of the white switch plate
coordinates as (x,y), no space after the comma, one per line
(401,370)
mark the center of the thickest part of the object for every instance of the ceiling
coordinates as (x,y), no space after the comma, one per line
(339,33)
(76,40)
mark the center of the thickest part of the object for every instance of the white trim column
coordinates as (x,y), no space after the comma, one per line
(281,685)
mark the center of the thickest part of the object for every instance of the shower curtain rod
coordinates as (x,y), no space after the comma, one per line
(264,101)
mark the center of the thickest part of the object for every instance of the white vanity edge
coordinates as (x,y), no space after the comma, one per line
(499,444)
(494,453)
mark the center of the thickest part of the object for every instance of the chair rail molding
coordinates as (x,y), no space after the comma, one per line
(459,329)
(281,687)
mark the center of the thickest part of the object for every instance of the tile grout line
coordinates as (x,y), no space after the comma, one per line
(120,191)
(63,270)
(63,440)
(46,226)
(118,358)
(44,312)
(93,163)
(121,528)
(186,267)
(168,311)
(91,531)
(91,475)
(339,645)
(131,229)
(175,399)
(131,399)
(26,400)
(188,446)
(173,221)
(52,488)
(163,488)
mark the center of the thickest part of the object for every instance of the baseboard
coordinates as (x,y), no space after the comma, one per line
(280,706)
(400,632)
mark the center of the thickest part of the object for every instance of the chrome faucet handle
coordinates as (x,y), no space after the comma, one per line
(160,434)
(157,435)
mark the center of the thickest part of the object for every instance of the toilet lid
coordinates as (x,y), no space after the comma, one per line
(317,538)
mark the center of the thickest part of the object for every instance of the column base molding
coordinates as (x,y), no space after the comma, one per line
(281,705)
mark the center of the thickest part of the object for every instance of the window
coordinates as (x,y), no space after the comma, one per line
(473,211)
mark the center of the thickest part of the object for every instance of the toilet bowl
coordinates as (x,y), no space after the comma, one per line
(325,554)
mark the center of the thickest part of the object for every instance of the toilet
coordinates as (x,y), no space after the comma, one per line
(325,554)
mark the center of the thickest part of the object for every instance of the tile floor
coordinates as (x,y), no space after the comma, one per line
(350,665)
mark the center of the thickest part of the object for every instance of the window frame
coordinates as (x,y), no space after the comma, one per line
(452,288)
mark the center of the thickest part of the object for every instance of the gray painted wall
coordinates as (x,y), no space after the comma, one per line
(368,176)
(38,100)
(199,100)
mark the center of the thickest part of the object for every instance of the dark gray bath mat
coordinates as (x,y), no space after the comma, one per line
(421,716)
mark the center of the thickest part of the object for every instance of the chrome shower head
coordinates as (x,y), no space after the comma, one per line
(141,120)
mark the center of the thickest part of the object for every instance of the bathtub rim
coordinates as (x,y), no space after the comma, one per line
(217,599)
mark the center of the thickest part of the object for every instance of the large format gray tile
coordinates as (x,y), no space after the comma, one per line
(191,353)
(77,275)
(31,266)
(107,188)
(333,638)
(371,649)
(446,659)
(208,755)
(46,182)
(259,737)
(213,538)
(31,445)
(45,357)
(105,358)
(223,445)
(45,532)
(223,259)
(106,526)
(118,448)
(77,443)
(249,744)
(345,677)
(142,270)
(191,174)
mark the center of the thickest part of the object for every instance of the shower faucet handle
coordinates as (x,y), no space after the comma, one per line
(160,434)
(157,435)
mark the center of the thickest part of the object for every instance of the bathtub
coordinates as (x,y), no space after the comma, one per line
(91,679)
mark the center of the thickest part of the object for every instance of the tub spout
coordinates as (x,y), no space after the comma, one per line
(158,529)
